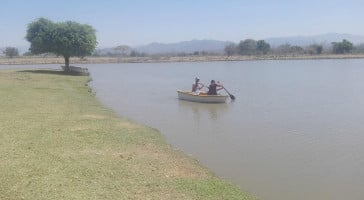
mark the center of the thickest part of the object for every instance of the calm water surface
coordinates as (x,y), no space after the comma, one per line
(295,131)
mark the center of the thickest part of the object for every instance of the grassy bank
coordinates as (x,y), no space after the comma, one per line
(58,142)
(155,59)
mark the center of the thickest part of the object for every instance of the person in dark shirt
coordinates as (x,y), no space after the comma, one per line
(214,87)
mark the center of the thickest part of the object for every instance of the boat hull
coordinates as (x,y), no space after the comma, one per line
(189,96)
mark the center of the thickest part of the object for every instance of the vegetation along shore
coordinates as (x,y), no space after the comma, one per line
(25,60)
(58,142)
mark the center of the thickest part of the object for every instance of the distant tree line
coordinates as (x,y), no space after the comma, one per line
(248,47)
(119,51)
(126,51)
(261,47)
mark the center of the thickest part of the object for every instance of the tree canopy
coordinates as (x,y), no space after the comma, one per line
(247,47)
(315,49)
(342,47)
(67,39)
(263,46)
(11,52)
(230,49)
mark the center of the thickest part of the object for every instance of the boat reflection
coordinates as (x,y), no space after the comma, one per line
(213,111)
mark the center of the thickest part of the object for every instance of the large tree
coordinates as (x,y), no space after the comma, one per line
(314,49)
(11,52)
(230,49)
(67,39)
(342,47)
(263,46)
(247,47)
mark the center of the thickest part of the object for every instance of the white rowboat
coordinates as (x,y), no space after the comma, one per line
(202,98)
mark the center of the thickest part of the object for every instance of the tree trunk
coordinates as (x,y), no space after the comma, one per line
(67,63)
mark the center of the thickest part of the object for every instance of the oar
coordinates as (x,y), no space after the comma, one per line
(232,97)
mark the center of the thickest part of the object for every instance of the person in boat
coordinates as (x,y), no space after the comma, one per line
(214,87)
(196,86)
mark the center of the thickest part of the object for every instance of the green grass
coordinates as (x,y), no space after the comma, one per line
(58,142)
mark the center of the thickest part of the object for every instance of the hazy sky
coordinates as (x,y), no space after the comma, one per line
(137,22)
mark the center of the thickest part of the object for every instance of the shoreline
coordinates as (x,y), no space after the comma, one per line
(24,60)
(62,143)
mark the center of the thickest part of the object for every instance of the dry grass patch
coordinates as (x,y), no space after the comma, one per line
(94,116)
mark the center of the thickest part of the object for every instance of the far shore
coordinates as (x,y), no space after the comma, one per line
(27,60)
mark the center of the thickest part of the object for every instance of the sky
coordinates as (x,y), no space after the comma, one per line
(140,22)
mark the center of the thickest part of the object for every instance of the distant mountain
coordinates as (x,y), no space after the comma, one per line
(324,39)
(215,46)
(184,47)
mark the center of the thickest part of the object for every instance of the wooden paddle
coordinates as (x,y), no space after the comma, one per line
(232,97)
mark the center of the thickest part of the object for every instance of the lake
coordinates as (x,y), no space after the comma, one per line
(295,130)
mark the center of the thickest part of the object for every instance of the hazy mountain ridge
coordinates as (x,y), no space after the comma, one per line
(324,39)
(214,46)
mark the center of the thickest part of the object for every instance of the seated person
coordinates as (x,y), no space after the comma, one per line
(214,87)
(196,86)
